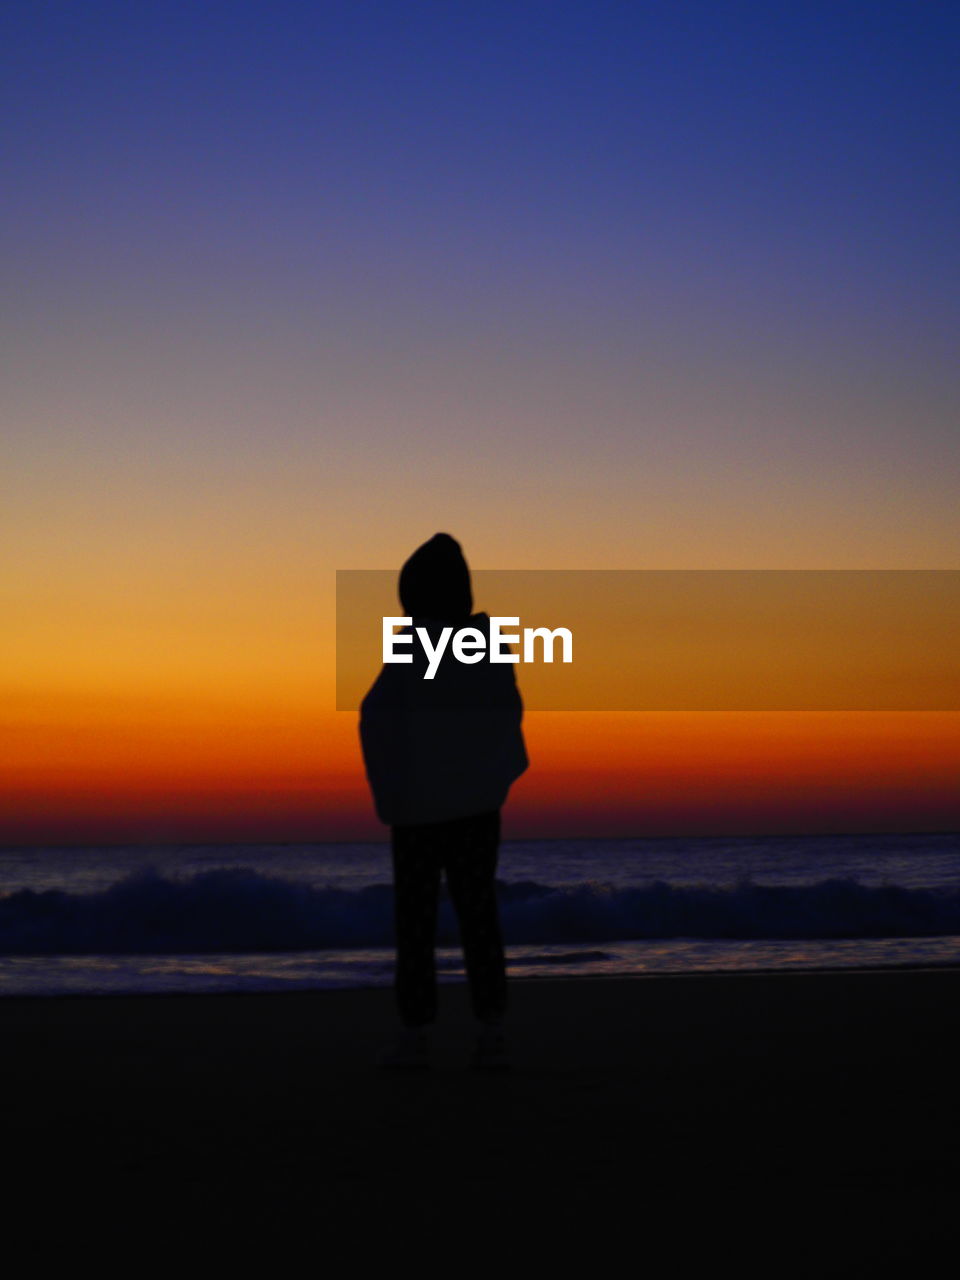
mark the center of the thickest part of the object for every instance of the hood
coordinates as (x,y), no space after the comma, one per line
(435,582)
(433,626)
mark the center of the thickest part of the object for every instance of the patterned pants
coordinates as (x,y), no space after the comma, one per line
(466,848)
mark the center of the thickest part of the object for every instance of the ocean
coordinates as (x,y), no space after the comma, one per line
(215,918)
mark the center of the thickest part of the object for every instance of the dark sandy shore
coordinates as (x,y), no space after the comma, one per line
(801,1116)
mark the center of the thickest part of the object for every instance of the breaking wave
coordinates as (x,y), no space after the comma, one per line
(242,910)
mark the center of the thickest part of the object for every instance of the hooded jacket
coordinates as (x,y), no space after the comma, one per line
(452,746)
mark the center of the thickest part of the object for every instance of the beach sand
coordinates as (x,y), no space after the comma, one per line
(689,1118)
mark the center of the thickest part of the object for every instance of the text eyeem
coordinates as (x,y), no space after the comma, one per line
(469,644)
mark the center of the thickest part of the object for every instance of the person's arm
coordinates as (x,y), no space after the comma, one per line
(514,748)
(385,742)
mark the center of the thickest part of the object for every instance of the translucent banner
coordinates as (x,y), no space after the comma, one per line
(679,640)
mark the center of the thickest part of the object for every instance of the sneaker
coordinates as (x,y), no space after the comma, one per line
(490,1053)
(409,1051)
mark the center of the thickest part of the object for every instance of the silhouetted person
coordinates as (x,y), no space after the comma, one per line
(440,756)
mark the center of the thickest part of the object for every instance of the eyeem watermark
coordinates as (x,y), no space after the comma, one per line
(687,640)
(469,644)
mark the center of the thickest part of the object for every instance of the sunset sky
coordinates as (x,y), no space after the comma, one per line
(292,286)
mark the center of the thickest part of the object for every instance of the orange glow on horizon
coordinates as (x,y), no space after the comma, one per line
(197,772)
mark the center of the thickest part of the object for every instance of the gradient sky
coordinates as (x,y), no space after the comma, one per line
(589,285)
